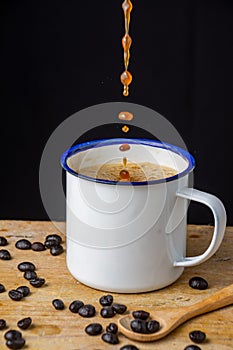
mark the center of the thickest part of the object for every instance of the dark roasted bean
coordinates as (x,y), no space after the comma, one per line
(25,323)
(54,237)
(2,288)
(12,334)
(129,347)
(38,246)
(141,314)
(192,347)
(15,344)
(4,254)
(198,283)
(197,336)
(87,310)
(107,311)
(152,326)
(3,241)
(56,250)
(138,326)
(15,295)
(58,304)
(93,329)
(112,328)
(110,338)
(26,266)
(2,324)
(23,244)
(29,275)
(37,282)
(51,243)
(24,290)
(119,308)
(106,300)
(75,306)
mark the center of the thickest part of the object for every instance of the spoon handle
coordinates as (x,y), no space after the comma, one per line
(216,301)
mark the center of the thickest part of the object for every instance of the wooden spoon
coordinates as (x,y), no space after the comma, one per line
(172,318)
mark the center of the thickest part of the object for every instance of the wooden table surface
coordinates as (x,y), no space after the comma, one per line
(53,329)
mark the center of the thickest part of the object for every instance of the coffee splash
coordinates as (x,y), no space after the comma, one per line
(128,171)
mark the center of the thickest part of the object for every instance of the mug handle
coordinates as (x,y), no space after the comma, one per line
(219,213)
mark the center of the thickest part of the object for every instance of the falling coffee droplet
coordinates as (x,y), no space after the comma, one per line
(124,161)
(125,116)
(124,175)
(126,79)
(125,128)
(124,147)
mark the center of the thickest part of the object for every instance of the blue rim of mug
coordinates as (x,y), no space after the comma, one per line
(116,141)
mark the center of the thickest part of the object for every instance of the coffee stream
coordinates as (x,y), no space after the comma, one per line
(126,77)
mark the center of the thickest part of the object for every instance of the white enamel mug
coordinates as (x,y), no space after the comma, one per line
(131,237)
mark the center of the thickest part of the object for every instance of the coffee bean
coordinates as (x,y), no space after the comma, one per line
(87,310)
(15,295)
(12,335)
(24,290)
(138,326)
(54,237)
(198,283)
(2,324)
(129,347)
(110,338)
(38,246)
(197,336)
(2,288)
(26,266)
(51,243)
(107,311)
(58,304)
(25,323)
(119,308)
(3,241)
(15,344)
(192,347)
(56,250)
(93,329)
(152,326)
(141,314)
(4,254)
(23,244)
(28,275)
(112,328)
(75,306)
(37,282)
(106,300)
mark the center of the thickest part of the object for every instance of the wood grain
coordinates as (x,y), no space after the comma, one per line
(174,317)
(54,329)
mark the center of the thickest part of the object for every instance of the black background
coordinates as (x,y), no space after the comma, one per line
(58,57)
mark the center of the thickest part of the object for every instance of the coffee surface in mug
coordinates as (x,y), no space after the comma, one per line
(138,172)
